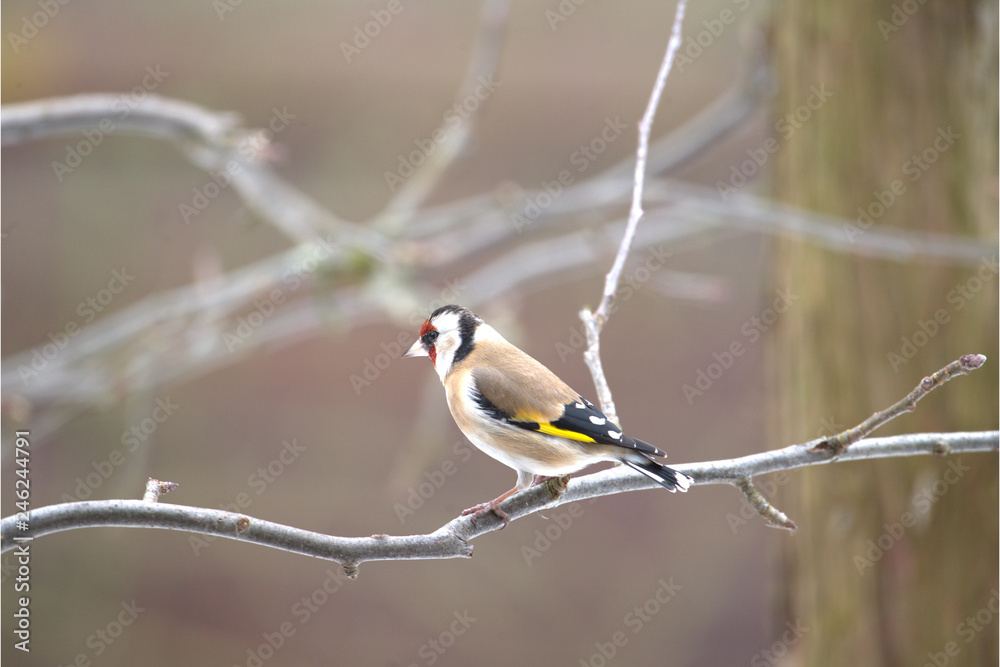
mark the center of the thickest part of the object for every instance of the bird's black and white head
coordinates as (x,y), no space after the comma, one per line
(448,336)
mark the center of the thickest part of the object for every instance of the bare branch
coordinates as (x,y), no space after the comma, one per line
(214,142)
(963,366)
(841,235)
(349,551)
(594,322)
(835,446)
(153,116)
(770,514)
(475,223)
(645,127)
(452,539)
(482,64)
(148,337)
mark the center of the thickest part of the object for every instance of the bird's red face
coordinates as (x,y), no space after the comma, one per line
(424,347)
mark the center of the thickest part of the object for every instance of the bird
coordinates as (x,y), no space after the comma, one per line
(519,412)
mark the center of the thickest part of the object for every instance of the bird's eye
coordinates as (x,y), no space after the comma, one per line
(430,337)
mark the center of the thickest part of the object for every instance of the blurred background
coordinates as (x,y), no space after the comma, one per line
(222,302)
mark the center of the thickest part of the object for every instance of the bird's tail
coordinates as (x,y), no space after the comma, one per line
(663,475)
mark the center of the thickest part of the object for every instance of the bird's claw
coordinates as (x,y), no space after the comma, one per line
(478,510)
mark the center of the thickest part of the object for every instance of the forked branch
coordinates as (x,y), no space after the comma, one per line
(453,539)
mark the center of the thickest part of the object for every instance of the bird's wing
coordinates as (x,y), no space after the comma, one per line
(547,407)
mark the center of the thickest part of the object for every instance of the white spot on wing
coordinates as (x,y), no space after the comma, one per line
(580,406)
(600,421)
(683,482)
(615,434)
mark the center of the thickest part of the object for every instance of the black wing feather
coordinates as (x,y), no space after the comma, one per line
(487,406)
(582,416)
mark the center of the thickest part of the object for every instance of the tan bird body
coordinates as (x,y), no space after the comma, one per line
(519,412)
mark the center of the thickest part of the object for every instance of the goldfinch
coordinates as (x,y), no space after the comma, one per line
(519,412)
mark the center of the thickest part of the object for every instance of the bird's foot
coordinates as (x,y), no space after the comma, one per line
(557,484)
(483,508)
(493,506)
(556,487)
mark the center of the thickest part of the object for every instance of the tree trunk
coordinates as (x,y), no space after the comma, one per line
(893,110)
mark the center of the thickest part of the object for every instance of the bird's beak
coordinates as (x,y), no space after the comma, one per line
(416,350)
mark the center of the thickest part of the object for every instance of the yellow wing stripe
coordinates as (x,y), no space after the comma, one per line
(525,416)
(549,429)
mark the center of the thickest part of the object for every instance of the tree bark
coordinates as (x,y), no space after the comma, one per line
(897,77)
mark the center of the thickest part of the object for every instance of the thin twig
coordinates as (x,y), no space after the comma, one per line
(214,142)
(746,212)
(771,515)
(152,116)
(486,53)
(645,127)
(155,488)
(962,366)
(834,446)
(594,322)
(89,369)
